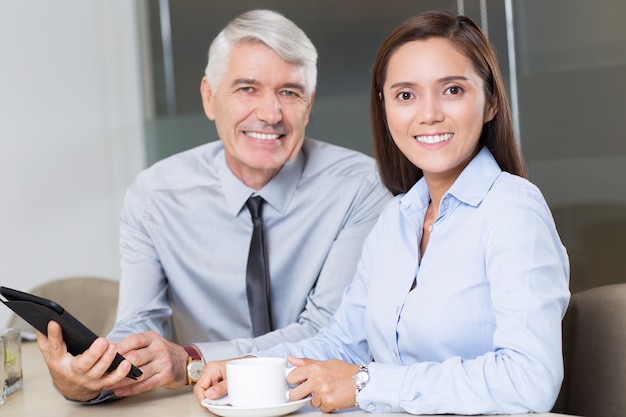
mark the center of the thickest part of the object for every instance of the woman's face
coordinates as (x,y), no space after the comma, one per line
(435,106)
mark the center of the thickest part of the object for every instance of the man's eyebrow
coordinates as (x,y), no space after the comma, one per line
(294,86)
(240,81)
(251,81)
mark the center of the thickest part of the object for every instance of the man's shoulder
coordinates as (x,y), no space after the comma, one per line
(205,151)
(323,158)
(189,166)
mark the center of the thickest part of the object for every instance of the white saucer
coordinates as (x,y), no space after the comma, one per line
(221,407)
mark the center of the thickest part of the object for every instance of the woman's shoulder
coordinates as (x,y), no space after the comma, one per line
(511,184)
(513,193)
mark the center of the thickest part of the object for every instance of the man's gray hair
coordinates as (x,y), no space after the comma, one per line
(274,30)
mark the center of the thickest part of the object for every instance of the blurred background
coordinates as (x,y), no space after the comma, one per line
(93,91)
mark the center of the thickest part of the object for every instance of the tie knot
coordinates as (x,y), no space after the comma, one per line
(254,204)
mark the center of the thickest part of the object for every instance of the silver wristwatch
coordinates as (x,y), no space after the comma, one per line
(361,378)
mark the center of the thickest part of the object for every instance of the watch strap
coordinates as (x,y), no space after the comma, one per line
(194,355)
(192,351)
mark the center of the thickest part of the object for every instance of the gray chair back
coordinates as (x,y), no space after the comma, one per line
(92,300)
(594,353)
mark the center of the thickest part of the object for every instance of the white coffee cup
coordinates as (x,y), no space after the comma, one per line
(257,382)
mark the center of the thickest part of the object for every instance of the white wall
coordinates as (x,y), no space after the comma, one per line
(71,136)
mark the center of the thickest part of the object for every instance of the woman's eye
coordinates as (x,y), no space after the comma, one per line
(454,90)
(404,96)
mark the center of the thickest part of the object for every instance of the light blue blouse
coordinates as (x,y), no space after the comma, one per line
(481,331)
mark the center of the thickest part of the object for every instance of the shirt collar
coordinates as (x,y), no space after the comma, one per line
(476,179)
(278,192)
(470,187)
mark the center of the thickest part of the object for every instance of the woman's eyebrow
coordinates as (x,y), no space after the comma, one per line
(441,80)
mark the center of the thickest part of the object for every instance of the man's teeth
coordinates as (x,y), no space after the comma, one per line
(263,136)
(433,138)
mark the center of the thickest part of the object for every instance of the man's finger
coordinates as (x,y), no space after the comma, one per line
(55,345)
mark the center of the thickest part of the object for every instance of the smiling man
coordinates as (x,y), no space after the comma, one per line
(186,228)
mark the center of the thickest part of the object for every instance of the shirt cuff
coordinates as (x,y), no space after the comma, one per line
(215,351)
(382,392)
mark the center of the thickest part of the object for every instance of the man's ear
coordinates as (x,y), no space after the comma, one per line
(207,98)
(308,111)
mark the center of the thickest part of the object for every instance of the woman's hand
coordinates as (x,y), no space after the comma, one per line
(212,382)
(330,383)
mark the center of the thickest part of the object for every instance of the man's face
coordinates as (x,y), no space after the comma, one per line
(260,108)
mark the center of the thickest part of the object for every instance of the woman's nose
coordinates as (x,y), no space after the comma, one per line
(430,110)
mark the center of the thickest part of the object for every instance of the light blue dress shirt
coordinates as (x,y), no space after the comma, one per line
(185,237)
(481,331)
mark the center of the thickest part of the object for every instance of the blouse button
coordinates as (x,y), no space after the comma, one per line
(371,407)
(388,407)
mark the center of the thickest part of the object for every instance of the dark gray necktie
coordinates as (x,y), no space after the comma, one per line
(257,274)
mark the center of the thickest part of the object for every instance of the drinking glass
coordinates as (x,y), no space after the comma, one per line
(12,361)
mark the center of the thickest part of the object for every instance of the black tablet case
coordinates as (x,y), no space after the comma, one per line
(38,311)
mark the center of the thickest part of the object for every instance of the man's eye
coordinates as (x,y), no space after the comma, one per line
(246,89)
(290,93)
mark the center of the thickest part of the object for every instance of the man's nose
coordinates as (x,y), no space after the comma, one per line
(269,109)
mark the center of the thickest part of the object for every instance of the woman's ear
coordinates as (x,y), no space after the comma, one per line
(490,112)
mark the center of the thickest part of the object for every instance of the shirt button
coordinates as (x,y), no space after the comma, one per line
(388,407)
(395,353)
(371,407)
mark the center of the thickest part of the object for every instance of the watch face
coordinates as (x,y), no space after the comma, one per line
(361,378)
(194,370)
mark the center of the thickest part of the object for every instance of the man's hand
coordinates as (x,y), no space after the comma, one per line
(163,363)
(80,377)
(330,383)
